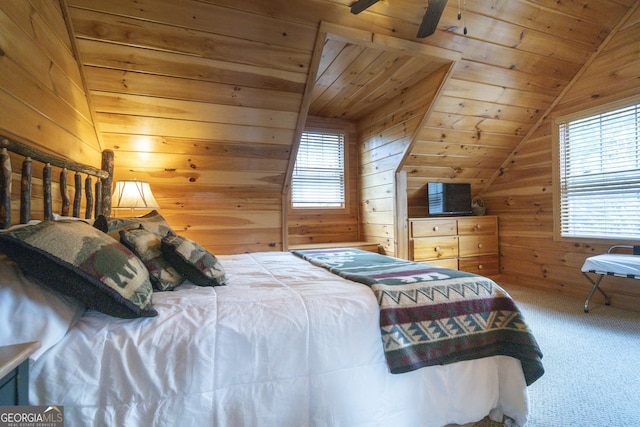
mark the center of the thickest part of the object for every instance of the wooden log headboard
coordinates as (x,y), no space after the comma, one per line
(98,203)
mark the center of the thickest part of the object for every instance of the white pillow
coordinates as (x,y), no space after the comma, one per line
(30,312)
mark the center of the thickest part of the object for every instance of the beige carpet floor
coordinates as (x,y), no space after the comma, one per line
(591,360)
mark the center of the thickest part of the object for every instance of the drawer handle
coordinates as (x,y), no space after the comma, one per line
(478,226)
(479,245)
(437,249)
(480,267)
(436,228)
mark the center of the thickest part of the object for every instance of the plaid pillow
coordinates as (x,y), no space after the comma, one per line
(80,261)
(153,222)
(193,261)
(146,245)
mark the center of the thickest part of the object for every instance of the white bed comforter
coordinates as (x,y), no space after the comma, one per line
(284,343)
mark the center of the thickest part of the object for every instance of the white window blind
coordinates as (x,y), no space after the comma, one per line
(318,175)
(600,175)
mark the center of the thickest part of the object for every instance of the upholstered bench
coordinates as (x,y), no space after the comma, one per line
(611,264)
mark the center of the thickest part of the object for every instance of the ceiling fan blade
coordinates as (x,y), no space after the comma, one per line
(361,5)
(431,18)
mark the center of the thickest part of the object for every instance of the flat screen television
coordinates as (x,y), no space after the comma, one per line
(449,198)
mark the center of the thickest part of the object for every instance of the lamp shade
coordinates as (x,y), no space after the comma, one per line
(133,195)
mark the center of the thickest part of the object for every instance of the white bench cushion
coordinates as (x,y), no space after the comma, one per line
(622,265)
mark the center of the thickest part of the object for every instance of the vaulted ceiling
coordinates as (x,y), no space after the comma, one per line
(354,80)
(212,91)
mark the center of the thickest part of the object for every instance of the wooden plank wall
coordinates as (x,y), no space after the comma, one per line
(523,193)
(190,98)
(202,97)
(41,91)
(385,137)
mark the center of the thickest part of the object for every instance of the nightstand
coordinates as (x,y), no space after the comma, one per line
(365,246)
(14,373)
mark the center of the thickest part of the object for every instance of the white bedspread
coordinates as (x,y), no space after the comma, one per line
(285,343)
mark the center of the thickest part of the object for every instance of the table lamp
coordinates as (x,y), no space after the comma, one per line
(134,195)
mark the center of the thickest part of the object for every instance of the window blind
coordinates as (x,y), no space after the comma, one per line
(318,174)
(600,175)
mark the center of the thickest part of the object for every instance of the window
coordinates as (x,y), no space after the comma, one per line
(318,176)
(599,174)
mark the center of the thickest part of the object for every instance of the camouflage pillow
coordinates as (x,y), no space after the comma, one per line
(153,222)
(80,261)
(193,261)
(146,245)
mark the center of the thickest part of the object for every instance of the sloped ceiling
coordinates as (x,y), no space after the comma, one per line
(354,80)
(204,96)
(149,62)
(517,59)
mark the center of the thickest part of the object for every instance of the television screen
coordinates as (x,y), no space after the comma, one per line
(449,198)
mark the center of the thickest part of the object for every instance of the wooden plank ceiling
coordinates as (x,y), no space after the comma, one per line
(355,80)
(202,97)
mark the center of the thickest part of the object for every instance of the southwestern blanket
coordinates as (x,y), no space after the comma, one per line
(434,316)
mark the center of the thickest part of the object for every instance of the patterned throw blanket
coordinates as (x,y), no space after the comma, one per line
(435,316)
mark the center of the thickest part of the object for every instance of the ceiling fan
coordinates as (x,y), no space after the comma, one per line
(429,21)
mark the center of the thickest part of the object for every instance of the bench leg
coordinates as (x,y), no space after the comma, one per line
(596,285)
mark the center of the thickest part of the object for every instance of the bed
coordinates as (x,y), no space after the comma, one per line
(261,339)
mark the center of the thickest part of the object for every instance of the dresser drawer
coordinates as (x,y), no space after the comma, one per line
(468,243)
(483,265)
(478,225)
(427,248)
(478,245)
(430,228)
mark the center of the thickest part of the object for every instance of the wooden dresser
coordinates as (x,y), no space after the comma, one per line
(467,243)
